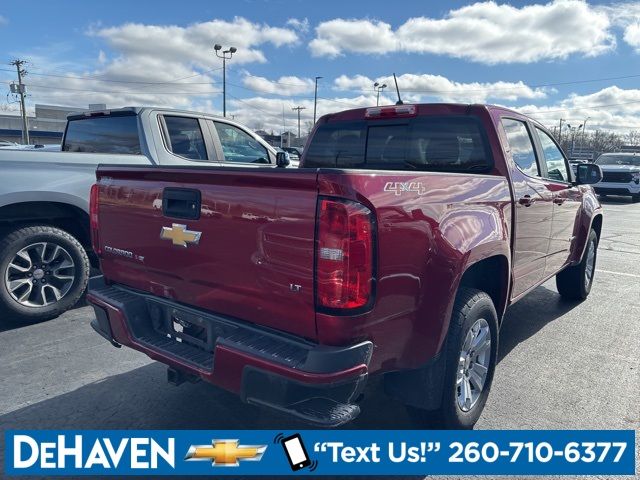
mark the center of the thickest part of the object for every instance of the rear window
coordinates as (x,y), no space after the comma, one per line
(106,134)
(450,144)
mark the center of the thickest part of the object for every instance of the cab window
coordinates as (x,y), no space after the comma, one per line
(185,137)
(521,146)
(240,147)
(553,157)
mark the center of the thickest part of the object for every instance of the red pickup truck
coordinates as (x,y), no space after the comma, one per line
(395,249)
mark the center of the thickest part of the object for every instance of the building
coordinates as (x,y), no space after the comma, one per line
(286,139)
(46,127)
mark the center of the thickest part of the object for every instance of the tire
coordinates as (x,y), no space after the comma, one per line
(472,307)
(48,256)
(574,283)
(635,198)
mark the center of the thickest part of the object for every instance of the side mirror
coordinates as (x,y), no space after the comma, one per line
(588,174)
(282,159)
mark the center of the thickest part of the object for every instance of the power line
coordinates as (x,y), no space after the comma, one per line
(123,92)
(590,107)
(99,79)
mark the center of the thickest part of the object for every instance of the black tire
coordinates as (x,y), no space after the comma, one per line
(16,240)
(471,305)
(635,198)
(572,282)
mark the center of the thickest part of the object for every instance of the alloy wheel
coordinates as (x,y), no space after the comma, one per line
(473,365)
(40,274)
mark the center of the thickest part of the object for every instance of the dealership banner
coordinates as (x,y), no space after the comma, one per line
(319,452)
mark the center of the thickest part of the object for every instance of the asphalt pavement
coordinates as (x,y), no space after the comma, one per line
(561,366)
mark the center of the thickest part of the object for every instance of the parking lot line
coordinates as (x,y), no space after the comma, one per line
(624,274)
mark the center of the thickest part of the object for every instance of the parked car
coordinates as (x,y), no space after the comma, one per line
(574,165)
(620,175)
(395,249)
(45,248)
(294,152)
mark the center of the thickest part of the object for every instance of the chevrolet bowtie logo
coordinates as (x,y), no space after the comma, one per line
(225,453)
(179,235)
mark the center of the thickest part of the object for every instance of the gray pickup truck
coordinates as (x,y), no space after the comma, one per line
(45,245)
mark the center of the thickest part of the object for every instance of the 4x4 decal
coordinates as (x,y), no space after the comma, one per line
(400,187)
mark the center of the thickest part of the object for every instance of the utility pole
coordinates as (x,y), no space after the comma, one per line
(584,128)
(298,108)
(560,131)
(21,90)
(217,47)
(315,100)
(284,126)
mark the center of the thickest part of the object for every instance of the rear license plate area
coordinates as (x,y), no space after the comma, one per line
(182,326)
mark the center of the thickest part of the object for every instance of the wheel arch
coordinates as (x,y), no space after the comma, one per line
(62,215)
(492,276)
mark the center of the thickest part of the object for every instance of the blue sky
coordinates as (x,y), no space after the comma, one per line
(534,57)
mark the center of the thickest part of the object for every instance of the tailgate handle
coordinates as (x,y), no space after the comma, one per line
(181,203)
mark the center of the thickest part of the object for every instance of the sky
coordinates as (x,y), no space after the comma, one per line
(565,59)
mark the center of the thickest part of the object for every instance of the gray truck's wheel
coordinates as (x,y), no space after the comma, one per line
(574,283)
(635,198)
(471,351)
(43,272)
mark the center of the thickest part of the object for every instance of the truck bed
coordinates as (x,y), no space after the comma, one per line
(254,259)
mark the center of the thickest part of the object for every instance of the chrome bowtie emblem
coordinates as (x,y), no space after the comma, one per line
(179,235)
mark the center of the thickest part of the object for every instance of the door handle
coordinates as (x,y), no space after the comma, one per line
(181,203)
(526,201)
(559,201)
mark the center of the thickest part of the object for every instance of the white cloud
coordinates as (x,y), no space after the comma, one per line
(3,21)
(632,35)
(154,65)
(287,85)
(302,25)
(194,43)
(627,17)
(611,108)
(484,32)
(620,112)
(425,86)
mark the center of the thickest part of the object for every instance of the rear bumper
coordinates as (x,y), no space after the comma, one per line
(315,382)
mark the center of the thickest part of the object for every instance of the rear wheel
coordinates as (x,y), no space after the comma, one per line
(471,352)
(43,272)
(574,283)
(635,198)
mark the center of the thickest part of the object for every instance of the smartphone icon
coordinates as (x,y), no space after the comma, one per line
(295,451)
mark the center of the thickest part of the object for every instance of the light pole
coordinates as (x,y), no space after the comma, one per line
(217,47)
(378,88)
(573,131)
(315,100)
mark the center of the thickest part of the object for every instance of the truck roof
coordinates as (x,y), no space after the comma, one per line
(137,110)
(444,108)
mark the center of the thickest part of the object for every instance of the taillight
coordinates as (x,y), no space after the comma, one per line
(344,254)
(94,218)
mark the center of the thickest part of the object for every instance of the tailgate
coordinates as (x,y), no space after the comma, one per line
(234,241)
